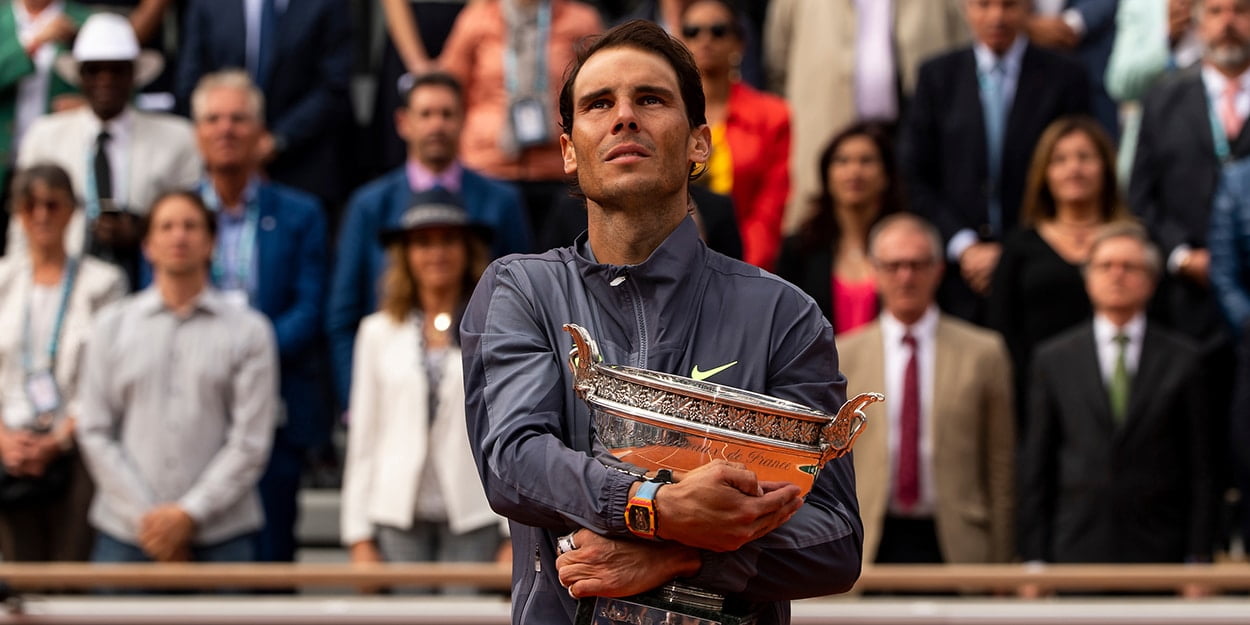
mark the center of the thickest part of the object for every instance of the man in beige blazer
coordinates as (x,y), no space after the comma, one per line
(837,61)
(951,498)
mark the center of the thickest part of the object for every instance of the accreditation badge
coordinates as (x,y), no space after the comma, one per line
(529,122)
(43,392)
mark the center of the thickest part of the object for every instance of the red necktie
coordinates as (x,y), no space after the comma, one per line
(907,481)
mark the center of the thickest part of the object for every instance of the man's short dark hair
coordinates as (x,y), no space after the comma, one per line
(409,83)
(210,218)
(645,36)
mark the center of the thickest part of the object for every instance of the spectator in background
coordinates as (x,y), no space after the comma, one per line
(47,300)
(510,56)
(32,32)
(430,123)
(1192,124)
(120,158)
(299,53)
(750,131)
(668,14)
(1116,462)
(1086,29)
(828,257)
(179,397)
(410,489)
(948,444)
(1230,277)
(270,255)
(1037,290)
(840,62)
(970,133)
(1152,39)
(416,32)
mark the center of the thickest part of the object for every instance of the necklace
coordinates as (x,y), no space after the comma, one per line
(442,322)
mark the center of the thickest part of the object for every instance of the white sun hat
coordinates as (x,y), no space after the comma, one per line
(109,37)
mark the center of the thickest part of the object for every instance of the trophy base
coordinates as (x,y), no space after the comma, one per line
(670,604)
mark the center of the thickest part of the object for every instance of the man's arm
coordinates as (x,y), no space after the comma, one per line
(236,467)
(778,26)
(327,104)
(299,325)
(1203,434)
(349,284)
(1149,167)
(1000,450)
(920,153)
(101,413)
(1141,52)
(1038,466)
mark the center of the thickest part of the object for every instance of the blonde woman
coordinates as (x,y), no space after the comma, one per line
(410,488)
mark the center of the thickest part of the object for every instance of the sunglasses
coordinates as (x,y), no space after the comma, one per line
(717,31)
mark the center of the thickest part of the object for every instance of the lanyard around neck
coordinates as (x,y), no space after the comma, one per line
(54,341)
(240,272)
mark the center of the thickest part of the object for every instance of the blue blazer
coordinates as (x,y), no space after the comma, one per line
(307,103)
(361,260)
(290,291)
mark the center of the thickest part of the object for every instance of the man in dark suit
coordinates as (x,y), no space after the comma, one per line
(1116,460)
(430,123)
(1085,29)
(1192,123)
(270,255)
(299,53)
(969,136)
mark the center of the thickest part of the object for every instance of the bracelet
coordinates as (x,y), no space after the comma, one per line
(565,544)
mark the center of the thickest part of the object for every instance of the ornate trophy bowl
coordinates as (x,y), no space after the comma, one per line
(658,420)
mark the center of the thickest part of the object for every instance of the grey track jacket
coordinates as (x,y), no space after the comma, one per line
(685,306)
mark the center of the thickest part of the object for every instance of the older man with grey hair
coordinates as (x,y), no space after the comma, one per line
(1116,462)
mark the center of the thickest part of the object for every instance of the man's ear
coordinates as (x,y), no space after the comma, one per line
(569,154)
(700,144)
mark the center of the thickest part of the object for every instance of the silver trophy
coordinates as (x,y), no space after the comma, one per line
(657,420)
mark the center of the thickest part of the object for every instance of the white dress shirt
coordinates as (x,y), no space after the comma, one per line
(32,91)
(876,79)
(1215,84)
(896,356)
(1108,350)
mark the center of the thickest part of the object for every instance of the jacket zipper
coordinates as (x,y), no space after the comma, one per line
(640,320)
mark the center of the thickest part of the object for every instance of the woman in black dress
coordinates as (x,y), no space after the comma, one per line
(1037,290)
(828,256)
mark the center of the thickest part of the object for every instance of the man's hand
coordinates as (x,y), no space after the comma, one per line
(608,567)
(266,148)
(1052,32)
(977,264)
(721,506)
(365,552)
(1180,18)
(165,533)
(60,29)
(1197,266)
(14,450)
(41,450)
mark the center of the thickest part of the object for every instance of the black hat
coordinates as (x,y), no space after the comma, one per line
(436,208)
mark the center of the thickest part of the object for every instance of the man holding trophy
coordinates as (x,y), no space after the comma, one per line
(586,523)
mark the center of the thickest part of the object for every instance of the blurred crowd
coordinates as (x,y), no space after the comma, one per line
(237,226)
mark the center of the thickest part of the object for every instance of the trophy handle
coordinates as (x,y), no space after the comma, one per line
(839,435)
(582,358)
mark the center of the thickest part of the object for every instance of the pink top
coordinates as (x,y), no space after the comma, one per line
(854,304)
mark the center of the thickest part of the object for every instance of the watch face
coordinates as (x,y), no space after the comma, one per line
(640,519)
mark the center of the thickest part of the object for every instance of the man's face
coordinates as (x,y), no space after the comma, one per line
(107,86)
(996,23)
(228,130)
(178,240)
(907,269)
(631,138)
(431,125)
(1224,26)
(1118,278)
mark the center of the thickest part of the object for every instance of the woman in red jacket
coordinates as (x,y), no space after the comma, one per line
(750,130)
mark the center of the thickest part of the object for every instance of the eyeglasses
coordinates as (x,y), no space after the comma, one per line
(895,266)
(717,31)
(1107,266)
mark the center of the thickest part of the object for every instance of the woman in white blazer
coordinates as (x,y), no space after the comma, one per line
(410,488)
(47,302)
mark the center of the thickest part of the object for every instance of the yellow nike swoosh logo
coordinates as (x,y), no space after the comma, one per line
(699,376)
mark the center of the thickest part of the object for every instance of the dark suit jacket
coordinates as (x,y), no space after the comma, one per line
(943,143)
(290,291)
(1094,492)
(1094,52)
(361,260)
(567,219)
(944,153)
(306,91)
